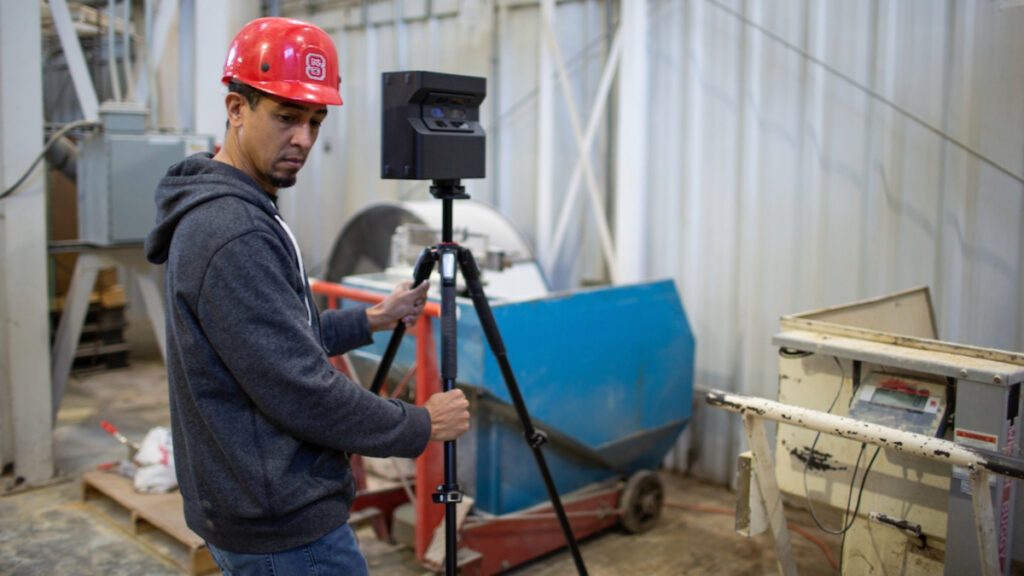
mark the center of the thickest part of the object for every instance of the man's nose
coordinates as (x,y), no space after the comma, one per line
(303,136)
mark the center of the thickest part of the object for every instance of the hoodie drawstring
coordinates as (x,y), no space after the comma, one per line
(302,269)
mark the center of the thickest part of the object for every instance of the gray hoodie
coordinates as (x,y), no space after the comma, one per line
(261,420)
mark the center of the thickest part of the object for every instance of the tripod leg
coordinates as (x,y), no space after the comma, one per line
(533,437)
(424,265)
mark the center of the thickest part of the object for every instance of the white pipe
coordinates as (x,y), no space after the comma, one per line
(890,438)
(145,71)
(115,82)
(157,29)
(545,145)
(186,65)
(126,32)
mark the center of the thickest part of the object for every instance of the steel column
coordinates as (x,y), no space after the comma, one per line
(631,146)
(25,421)
(545,141)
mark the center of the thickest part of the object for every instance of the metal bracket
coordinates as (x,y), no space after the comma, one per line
(447,495)
(908,528)
(537,439)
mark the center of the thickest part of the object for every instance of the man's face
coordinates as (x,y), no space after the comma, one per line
(275,137)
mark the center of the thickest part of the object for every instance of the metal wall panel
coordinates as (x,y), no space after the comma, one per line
(837,151)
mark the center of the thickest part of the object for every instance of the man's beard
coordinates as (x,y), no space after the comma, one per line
(282,182)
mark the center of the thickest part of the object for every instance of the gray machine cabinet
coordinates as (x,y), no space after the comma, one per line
(117,176)
(987,417)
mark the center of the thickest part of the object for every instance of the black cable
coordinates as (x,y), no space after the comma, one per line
(863,481)
(842,543)
(849,495)
(49,143)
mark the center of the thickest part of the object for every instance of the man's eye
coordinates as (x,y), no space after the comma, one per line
(287,118)
(314,124)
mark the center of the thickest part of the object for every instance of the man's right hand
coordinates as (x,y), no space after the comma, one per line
(449,415)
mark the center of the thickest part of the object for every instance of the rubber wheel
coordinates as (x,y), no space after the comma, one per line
(641,502)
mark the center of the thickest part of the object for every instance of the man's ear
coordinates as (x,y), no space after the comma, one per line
(235,105)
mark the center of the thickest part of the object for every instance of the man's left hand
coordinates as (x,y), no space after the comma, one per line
(404,304)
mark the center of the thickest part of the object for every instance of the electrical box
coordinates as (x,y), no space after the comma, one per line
(119,168)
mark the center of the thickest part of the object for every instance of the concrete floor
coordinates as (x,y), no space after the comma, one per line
(51,531)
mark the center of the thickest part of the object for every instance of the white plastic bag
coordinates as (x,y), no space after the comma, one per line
(155,459)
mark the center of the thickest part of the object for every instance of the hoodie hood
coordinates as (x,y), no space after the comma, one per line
(190,183)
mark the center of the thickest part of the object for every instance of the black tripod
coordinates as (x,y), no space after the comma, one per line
(451,255)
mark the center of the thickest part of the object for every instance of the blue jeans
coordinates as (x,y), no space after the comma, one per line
(335,553)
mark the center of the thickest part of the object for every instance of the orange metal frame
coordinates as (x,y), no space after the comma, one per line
(429,465)
(503,542)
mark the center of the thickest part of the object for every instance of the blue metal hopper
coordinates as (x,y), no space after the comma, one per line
(606,373)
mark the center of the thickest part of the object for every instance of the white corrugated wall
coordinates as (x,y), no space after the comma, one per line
(822,152)
(800,154)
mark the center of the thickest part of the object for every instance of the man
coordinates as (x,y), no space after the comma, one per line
(262,422)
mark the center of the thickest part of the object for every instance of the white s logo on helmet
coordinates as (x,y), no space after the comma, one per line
(316,66)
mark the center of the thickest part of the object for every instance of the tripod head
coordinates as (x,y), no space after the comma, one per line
(448,190)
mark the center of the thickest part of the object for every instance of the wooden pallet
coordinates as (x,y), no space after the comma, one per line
(156,520)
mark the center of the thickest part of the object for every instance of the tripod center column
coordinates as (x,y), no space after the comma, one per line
(449,362)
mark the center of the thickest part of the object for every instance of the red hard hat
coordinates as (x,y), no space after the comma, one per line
(285,57)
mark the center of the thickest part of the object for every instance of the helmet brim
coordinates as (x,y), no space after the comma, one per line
(298,91)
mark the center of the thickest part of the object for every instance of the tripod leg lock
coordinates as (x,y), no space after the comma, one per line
(537,439)
(447,495)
